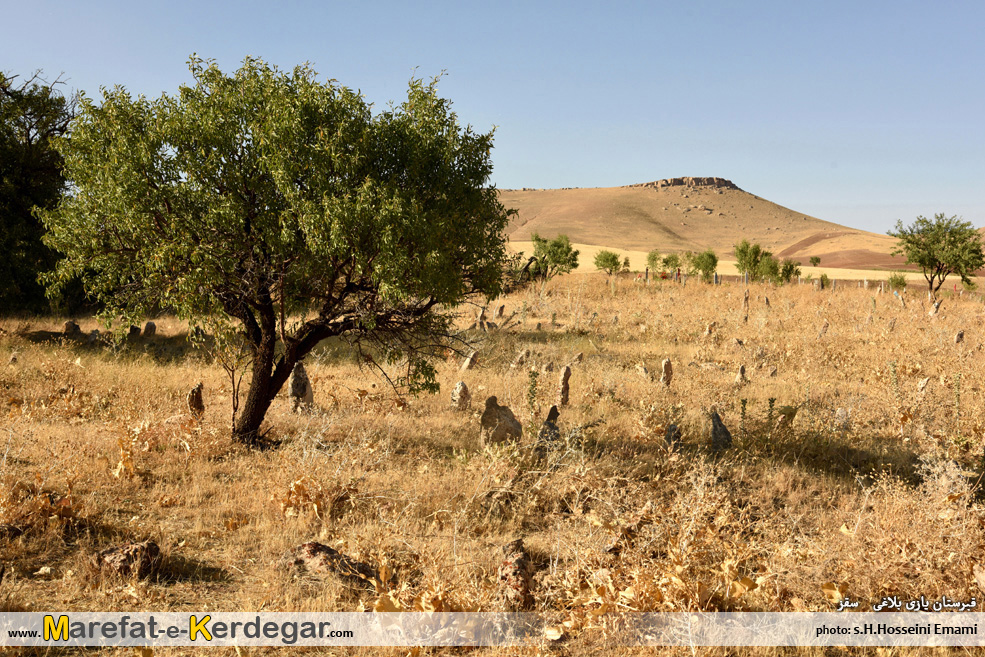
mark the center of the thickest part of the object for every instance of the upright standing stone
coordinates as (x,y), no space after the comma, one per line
(470,361)
(745,306)
(134,332)
(720,436)
(520,359)
(666,372)
(673,436)
(299,388)
(642,371)
(498,423)
(461,398)
(563,389)
(150,329)
(740,378)
(70,329)
(500,311)
(549,432)
(936,308)
(196,405)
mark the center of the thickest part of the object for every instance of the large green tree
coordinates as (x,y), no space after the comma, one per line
(280,207)
(940,246)
(32,112)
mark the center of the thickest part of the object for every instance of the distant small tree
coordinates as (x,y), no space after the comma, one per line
(653,259)
(788,269)
(607,261)
(705,263)
(671,261)
(554,257)
(940,246)
(748,257)
(625,264)
(815,261)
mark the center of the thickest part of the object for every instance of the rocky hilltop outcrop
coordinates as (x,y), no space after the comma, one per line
(689,181)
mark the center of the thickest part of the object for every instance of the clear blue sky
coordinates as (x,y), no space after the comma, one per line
(860,113)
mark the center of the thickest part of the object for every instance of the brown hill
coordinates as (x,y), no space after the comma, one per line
(681,214)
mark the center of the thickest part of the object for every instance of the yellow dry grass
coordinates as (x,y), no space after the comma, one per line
(99,449)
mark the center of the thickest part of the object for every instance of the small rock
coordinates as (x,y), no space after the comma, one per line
(70,329)
(642,371)
(520,359)
(500,312)
(710,329)
(538,327)
(673,436)
(563,388)
(720,436)
(773,372)
(740,378)
(134,332)
(299,389)
(767,299)
(93,337)
(580,356)
(738,342)
(138,560)
(548,367)
(936,307)
(461,398)
(13,358)
(959,338)
(615,319)
(843,420)
(150,328)
(499,425)
(922,384)
(319,559)
(470,361)
(196,405)
(666,372)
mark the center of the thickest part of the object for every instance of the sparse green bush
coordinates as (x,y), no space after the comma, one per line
(653,260)
(897,281)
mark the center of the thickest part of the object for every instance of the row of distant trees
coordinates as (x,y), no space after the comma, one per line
(940,247)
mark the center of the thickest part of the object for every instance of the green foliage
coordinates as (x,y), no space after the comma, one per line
(749,258)
(788,270)
(607,261)
(705,264)
(762,265)
(32,112)
(653,260)
(825,281)
(554,256)
(897,281)
(940,246)
(625,264)
(815,261)
(245,200)
(671,261)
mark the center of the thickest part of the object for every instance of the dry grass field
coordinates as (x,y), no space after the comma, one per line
(872,490)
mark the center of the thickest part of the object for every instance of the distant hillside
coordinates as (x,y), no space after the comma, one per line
(681,214)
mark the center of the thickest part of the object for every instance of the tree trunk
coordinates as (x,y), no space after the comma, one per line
(260,394)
